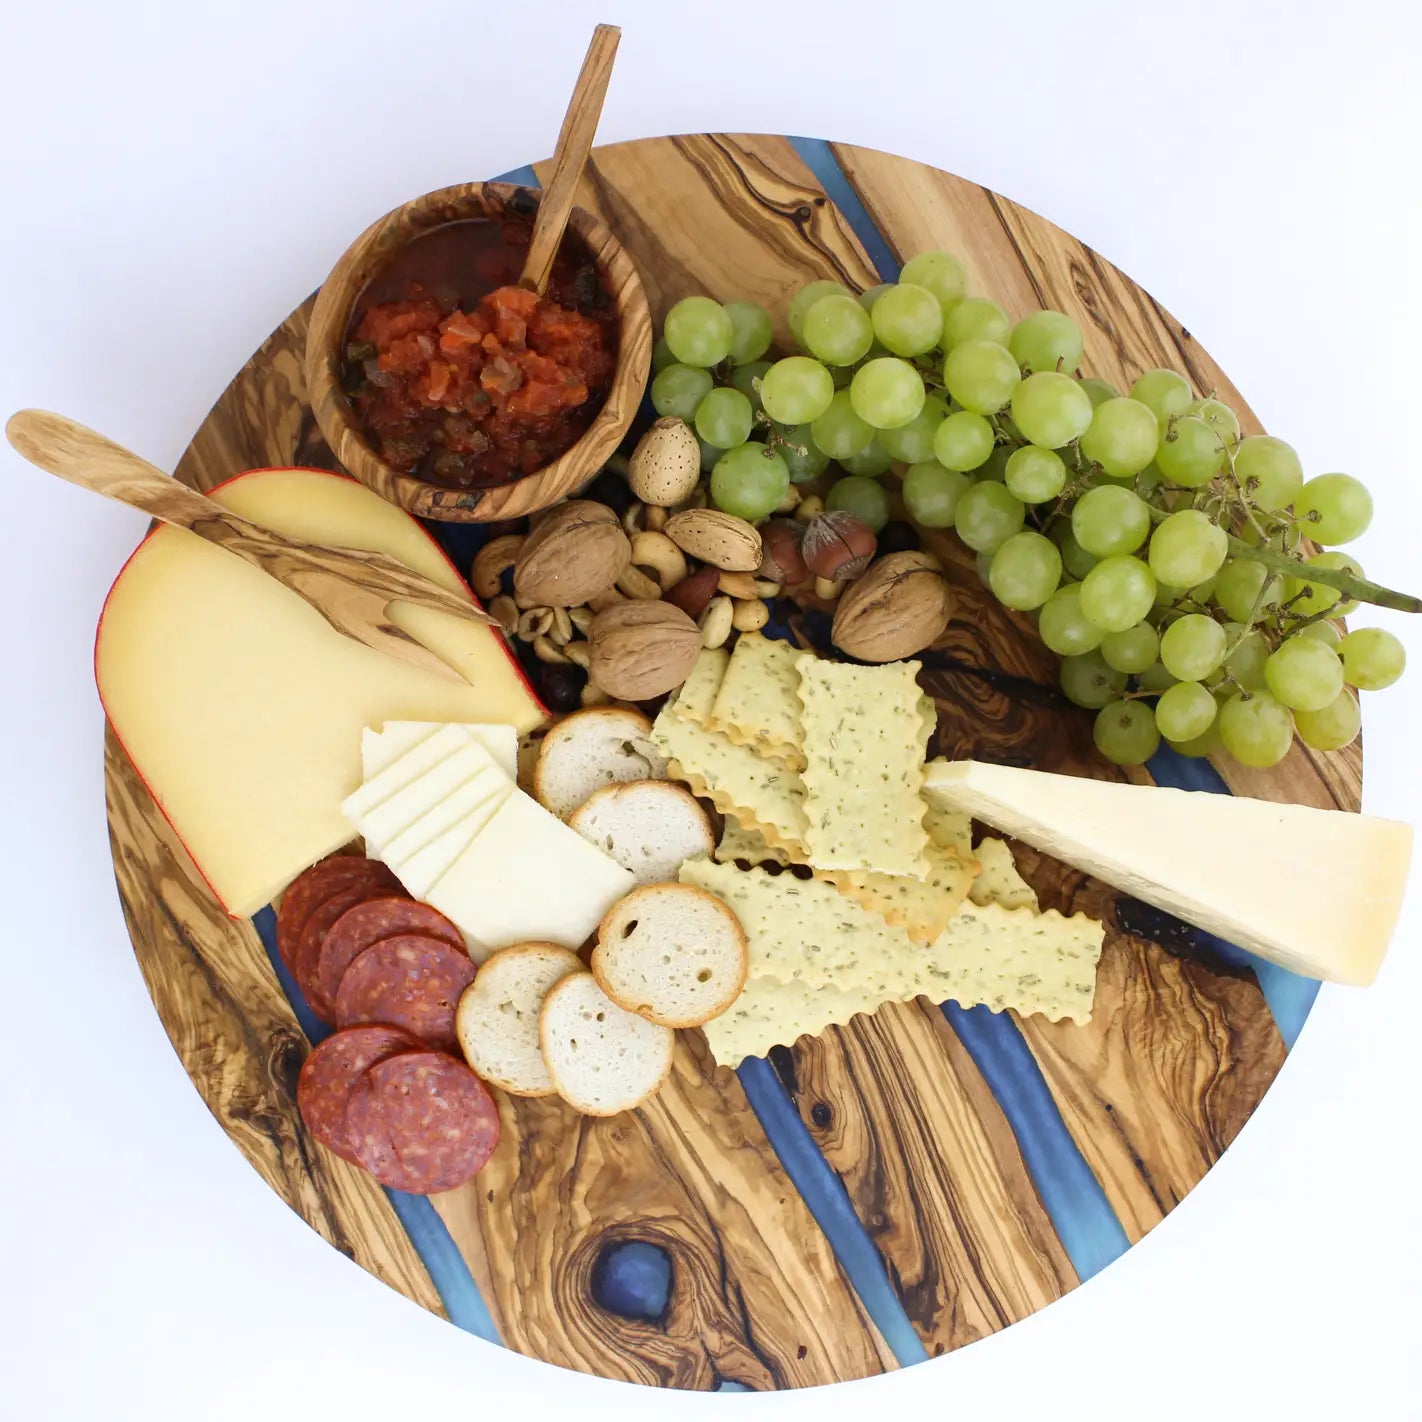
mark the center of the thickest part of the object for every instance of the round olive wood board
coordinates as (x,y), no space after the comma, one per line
(892,1189)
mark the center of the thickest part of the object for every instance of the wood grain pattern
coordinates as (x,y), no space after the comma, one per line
(224,1012)
(755,1293)
(325,357)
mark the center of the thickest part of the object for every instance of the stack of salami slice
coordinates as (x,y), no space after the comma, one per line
(383,1091)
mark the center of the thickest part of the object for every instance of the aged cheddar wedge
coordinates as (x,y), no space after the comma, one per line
(1316,891)
(243,710)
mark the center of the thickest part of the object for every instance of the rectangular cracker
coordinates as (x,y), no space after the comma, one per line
(758,702)
(738,842)
(998,881)
(949,829)
(806,930)
(921,907)
(698,692)
(769,1013)
(864,740)
(762,794)
(1013,957)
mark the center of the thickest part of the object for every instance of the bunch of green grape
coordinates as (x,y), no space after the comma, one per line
(1164,557)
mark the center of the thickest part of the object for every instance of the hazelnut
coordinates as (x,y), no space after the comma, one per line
(838,546)
(575,552)
(899,607)
(638,650)
(781,560)
(694,591)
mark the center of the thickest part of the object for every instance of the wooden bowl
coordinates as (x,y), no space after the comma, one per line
(330,320)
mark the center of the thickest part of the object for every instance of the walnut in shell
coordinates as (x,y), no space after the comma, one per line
(721,539)
(639,650)
(899,607)
(576,551)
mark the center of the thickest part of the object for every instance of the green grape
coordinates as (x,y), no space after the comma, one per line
(1219,417)
(1089,682)
(837,330)
(1325,632)
(1185,711)
(913,443)
(1242,583)
(1035,475)
(747,378)
(1187,548)
(963,441)
(1200,746)
(908,319)
(868,298)
(1256,729)
(866,499)
(888,392)
(941,272)
(839,432)
(1334,726)
(724,417)
(983,566)
(1372,658)
(1121,437)
(1269,469)
(994,467)
(1098,391)
(1333,508)
(1046,340)
(749,481)
(751,331)
(1110,520)
(698,331)
(661,356)
(1075,559)
(1306,598)
(1246,662)
(1189,453)
(871,461)
(1064,627)
(981,376)
(1049,409)
(1304,674)
(975,319)
(931,493)
(796,390)
(805,298)
(987,516)
(1155,678)
(679,389)
(804,466)
(1166,393)
(710,453)
(1117,593)
(1133,650)
(1125,732)
(1025,571)
(1193,646)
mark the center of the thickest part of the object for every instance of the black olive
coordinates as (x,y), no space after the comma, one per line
(561,685)
(610,489)
(898,537)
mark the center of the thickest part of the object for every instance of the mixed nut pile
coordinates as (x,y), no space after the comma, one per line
(618,598)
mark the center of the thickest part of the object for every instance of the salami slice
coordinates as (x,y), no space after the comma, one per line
(422,1122)
(407,981)
(366,924)
(330,1073)
(319,924)
(308,889)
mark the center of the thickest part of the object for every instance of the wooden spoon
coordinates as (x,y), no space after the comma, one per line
(570,157)
(350,589)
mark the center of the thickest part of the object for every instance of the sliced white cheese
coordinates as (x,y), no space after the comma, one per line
(405,809)
(420,869)
(489,786)
(1316,891)
(380,749)
(527,876)
(404,770)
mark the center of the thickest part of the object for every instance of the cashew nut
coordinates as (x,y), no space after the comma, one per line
(594,695)
(561,632)
(491,562)
(749,616)
(632,518)
(545,651)
(579,653)
(637,585)
(715,622)
(808,507)
(657,517)
(764,587)
(657,553)
(535,622)
(789,500)
(737,585)
(505,609)
(581,618)
(828,589)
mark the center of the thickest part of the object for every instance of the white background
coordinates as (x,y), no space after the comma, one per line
(176,178)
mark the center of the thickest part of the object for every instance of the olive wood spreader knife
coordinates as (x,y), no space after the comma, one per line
(352,590)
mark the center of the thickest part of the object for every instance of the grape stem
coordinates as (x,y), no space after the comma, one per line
(1363,589)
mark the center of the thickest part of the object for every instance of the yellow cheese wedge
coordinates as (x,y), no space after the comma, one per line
(1316,891)
(240,706)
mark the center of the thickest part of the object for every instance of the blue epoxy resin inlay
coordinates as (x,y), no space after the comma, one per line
(828,1201)
(632,1279)
(448,1272)
(819,158)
